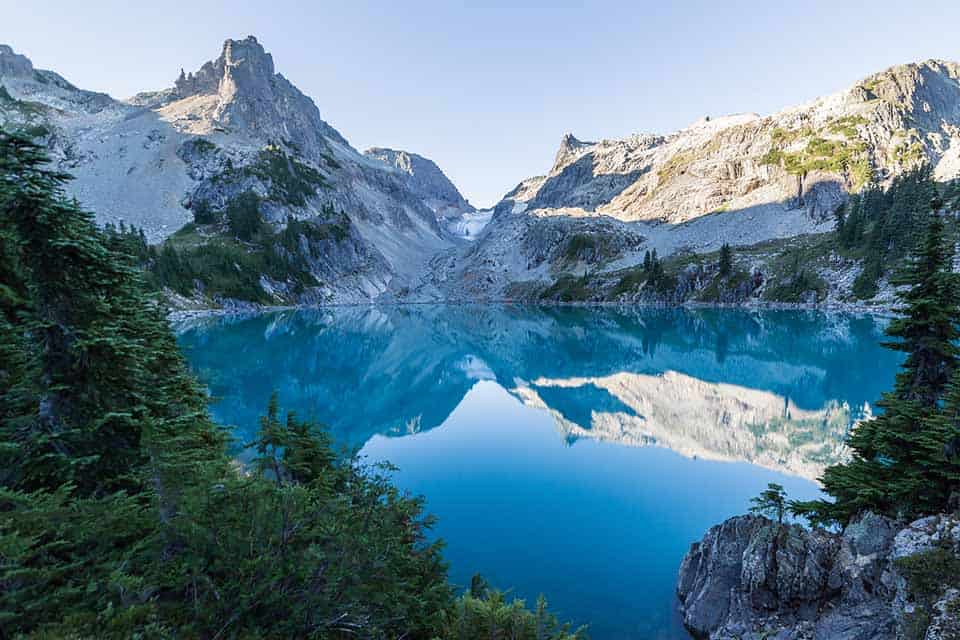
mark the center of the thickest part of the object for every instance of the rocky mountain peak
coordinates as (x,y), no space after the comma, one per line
(425,179)
(570,148)
(13,64)
(927,91)
(243,66)
(241,92)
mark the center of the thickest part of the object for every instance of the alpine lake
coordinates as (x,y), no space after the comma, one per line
(572,451)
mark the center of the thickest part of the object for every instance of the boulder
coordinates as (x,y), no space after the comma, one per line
(752,578)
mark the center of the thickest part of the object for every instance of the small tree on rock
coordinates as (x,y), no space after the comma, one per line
(772,502)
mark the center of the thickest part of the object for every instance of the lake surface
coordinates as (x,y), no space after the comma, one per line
(572,451)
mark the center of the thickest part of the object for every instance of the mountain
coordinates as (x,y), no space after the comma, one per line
(424,178)
(739,179)
(232,128)
(236,140)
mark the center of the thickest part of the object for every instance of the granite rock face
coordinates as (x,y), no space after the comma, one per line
(425,179)
(240,91)
(233,126)
(739,179)
(883,124)
(751,578)
(13,64)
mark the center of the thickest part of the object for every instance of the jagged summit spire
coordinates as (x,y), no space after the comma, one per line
(570,147)
(241,62)
(14,64)
(241,92)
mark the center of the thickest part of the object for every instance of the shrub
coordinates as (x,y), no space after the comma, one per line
(243,215)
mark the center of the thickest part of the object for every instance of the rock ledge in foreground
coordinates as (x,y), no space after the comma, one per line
(751,579)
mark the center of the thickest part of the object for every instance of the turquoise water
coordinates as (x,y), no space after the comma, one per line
(573,451)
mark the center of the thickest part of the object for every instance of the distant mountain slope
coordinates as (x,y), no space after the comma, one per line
(425,179)
(805,156)
(234,126)
(395,228)
(739,179)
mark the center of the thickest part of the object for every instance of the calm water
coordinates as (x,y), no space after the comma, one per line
(572,451)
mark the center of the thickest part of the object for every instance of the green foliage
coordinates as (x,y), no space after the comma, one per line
(725,264)
(243,216)
(123,516)
(94,379)
(232,266)
(568,288)
(792,280)
(203,213)
(901,464)
(657,278)
(202,145)
(290,182)
(580,246)
(928,574)
(882,226)
(223,267)
(909,153)
(629,282)
(847,156)
(847,125)
(772,502)
(487,614)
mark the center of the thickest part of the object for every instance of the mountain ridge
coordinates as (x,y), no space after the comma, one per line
(235,125)
(739,180)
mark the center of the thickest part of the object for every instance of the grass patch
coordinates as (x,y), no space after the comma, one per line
(818,153)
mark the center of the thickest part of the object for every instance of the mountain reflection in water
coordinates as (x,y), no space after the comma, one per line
(774,388)
(513,423)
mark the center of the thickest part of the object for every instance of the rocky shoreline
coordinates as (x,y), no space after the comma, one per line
(176,314)
(750,578)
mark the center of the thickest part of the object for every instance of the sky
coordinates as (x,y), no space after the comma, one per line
(487,89)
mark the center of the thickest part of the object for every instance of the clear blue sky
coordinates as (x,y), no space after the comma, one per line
(488,89)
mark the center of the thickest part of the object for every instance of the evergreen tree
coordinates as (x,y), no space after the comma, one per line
(897,453)
(771,502)
(839,218)
(122,514)
(725,265)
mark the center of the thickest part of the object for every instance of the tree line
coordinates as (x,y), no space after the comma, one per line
(905,463)
(122,514)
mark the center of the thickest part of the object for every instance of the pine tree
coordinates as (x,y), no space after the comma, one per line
(725,265)
(839,218)
(771,502)
(122,514)
(892,453)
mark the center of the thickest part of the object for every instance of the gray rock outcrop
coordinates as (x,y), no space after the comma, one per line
(751,578)
(235,126)
(13,64)
(425,179)
(246,94)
